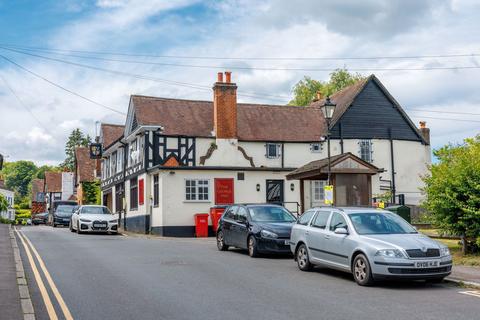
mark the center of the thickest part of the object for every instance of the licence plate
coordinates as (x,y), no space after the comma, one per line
(100,225)
(426,264)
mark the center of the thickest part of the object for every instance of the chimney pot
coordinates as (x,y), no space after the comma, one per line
(220,77)
(423,124)
(228,76)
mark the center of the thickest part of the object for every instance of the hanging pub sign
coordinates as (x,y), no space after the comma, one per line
(95,151)
(1,161)
(328,191)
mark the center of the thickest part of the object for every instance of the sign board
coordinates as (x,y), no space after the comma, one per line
(224,192)
(328,191)
(141,192)
(381,205)
(95,151)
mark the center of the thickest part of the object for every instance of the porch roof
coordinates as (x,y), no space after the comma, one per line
(341,163)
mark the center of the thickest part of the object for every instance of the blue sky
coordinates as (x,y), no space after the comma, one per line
(230,28)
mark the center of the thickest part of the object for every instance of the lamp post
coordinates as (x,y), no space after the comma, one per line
(328,109)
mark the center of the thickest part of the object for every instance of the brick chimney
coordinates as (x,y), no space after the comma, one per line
(225,107)
(425,131)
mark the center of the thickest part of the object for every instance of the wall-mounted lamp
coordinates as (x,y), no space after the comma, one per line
(172,172)
(258,186)
(292,186)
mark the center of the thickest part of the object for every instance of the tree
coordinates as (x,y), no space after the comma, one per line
(453,191)
(40,173)
(77,138)
(18,176)
(3,203)
(305,91)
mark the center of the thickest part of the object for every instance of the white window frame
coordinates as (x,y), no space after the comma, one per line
(196,189)
(365,150)
(277,150)
(119,160)
(133,157)
(321,191)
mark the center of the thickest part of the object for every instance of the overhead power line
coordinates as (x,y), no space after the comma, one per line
(449,119)
(20,101)
(439,111)
(61,87)
(309,69)
(399,57)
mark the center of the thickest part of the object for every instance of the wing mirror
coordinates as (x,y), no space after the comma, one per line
(341,231)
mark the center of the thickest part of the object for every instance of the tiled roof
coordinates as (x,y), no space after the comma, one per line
(53,181)
(37,186)
(111,133)
(85,167)
(255,122)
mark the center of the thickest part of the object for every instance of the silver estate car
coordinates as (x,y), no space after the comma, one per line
(369,243)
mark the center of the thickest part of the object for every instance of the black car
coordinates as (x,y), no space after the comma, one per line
(40,218)
(62,215)
(259,228)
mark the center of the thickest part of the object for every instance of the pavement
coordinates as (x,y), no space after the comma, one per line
(466,274)
(126,277)
(10,307)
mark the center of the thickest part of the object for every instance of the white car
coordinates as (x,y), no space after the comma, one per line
(93,218)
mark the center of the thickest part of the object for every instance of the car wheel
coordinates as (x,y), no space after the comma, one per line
(221,241)
(54,225)
(303,260)
(361,271)
(252,247)
(78,228)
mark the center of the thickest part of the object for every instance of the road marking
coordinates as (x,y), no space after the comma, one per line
(43,291)
(58,296)
(473,293)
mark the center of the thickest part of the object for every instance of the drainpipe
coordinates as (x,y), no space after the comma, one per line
(392,164)
(124,202)
(283,157)
(341,137)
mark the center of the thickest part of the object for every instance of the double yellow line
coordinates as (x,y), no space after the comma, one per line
(29,248)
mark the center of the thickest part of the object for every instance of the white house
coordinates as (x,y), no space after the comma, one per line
(10,196)
(178,157)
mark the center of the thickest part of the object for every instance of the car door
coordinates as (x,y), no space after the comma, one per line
(317,235)
(339,246)
(300,230)
(228,221)
(240,228)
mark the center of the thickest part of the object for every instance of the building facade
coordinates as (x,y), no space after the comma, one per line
(177,157)
(10,196)
(58,186)
(38,196)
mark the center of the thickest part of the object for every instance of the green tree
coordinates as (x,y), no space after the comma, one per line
(3,203)
(40,173)
(18,176)
(77,138)
(305,91)
(453,191)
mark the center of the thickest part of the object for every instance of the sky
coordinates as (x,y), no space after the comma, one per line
(61,73)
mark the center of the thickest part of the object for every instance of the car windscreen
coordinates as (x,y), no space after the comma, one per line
(64,210)
(380,223)
(270,214)
(95,210)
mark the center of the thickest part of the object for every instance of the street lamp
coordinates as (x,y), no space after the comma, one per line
(328,109)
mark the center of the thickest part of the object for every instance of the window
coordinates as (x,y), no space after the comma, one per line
(230,213)
(316,147)
(119,160)
(241,214)
(133,153)
(57,196)
(273,150)
(305,218)
(366,150)
(155,190)
(321,219)
(134,194)
(318,191)
(337,221)
(114,163)
(197,190)
(107,167)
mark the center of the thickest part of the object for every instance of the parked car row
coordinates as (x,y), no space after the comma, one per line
(371,244)
(80,219)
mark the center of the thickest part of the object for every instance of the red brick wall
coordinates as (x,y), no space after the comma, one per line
(225,109)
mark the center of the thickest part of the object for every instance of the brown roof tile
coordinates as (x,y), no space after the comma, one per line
(85,167)
(37,186)
(111,133)
(256,122)
(53,181)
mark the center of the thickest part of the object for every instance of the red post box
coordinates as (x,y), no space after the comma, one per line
(201,225)
(215,214)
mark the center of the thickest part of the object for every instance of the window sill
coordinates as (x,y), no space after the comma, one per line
(133,209)
(196,201)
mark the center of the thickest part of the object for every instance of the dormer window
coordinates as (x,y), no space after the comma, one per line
(273,150)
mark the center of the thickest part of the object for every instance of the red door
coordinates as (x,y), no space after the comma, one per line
(224,191)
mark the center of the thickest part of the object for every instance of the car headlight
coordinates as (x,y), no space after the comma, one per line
(268,234)
(85,220)
(444,251)
(390,253)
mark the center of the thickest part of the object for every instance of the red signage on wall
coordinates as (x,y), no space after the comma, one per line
(224,191)
(141,194)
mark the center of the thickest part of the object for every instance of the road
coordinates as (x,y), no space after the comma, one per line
(130,277)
